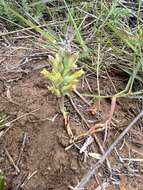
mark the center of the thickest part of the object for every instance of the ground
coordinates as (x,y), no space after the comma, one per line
(33,147)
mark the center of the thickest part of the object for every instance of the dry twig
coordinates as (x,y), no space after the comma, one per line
(93,170)
(28,178)
(11,160)
(22,148)
(81,97)
(95,137)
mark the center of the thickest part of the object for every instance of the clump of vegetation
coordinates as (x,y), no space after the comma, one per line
(114,14)
(63,79)
(33,10)
(4,11)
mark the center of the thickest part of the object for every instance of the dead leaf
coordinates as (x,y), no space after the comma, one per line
(95,155)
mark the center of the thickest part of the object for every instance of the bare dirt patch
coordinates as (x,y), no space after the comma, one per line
(44,147)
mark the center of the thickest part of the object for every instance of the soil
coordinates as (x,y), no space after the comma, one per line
(36,139)
(46,139)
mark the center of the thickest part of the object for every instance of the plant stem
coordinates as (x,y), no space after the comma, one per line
(61,104)
(62,108)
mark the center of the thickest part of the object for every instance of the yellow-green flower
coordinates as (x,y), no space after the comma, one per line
(62,78)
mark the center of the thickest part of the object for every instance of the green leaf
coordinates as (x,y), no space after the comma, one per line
(68,88)
(69,62)
(74,76)
(77,33)
(2,181)
(130,72)
(57,62)
(49,36)
(55,91)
